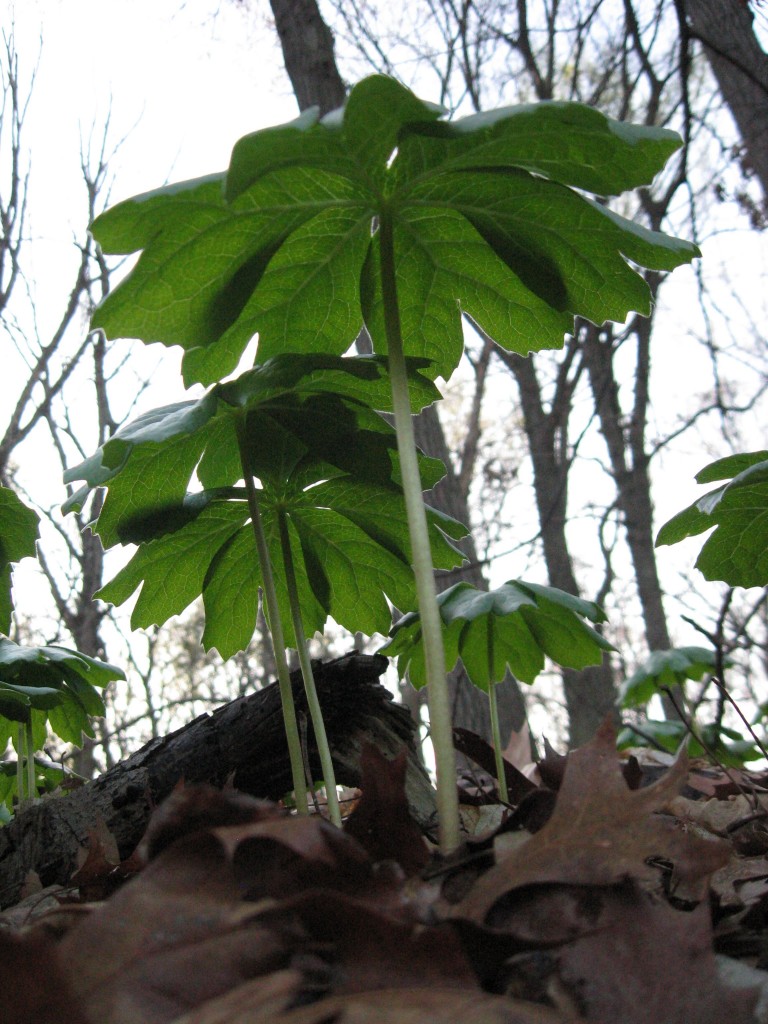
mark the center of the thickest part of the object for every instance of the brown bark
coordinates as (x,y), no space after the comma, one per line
(629,465)
(740,66)
(590,694)
(307,45)
(244,742)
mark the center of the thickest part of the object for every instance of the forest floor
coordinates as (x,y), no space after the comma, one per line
(609,890)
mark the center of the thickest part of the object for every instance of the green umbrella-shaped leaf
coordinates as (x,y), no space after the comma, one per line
(350,546)
(490,214)
(148,463)
(513,627)
(737,550)
(323,457)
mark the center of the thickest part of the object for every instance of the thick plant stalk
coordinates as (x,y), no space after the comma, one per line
(501,778)
(276,631)
(434,654)
(493,707)
(305,662)
(30,759)
(20,748)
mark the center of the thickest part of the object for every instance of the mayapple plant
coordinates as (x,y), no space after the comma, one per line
(383,215)
(329,512)
(41,688)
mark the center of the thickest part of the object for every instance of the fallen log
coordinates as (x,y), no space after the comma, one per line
(244,742)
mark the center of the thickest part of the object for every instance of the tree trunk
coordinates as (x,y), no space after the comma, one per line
(740,66)
(307,45)
(591,693)
(633,484)
(242,742)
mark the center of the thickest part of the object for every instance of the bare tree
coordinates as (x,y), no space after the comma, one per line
(740,65)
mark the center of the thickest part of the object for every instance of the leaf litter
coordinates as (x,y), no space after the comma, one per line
(607,897)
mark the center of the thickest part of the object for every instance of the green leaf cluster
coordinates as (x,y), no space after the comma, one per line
(50,686)
(512,627)
(490,219)
(673,668)
(728,745)
(737,550)
(324,457)
(667,668)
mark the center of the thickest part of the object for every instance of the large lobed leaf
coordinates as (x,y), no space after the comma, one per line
(350,547)
(324,402)
(490,219)
(513,627)
(737,550)
(323,458)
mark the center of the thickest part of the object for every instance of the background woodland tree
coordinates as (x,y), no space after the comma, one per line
(585,437)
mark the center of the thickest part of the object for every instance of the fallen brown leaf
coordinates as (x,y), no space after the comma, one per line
(254,1002)
(600,833)
(641,962)
(198,808)
(174,937)
(419,1006)
(369,949)
(381,821)
(36,989)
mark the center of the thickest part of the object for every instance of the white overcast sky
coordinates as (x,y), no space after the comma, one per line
(179,81)
(184,79)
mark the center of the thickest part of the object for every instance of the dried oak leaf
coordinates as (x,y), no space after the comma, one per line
(259,1001)
(368,949)
(279,858)
(198,808)
(36,987)
(599,834)
(417,1006)
(98,864)
(174,937)
(381,822)
(642,962)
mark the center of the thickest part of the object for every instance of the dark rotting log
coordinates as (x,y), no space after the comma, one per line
(242,742)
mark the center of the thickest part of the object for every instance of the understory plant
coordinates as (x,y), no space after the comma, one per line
(381,215)
(509,629)
(48,689)
(328,514)
(735,515)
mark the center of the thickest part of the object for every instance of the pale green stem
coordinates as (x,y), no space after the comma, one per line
(21,741)
(315,711)
(434,654)
(501,777)
(493,706)
(31,787)
(276,630)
